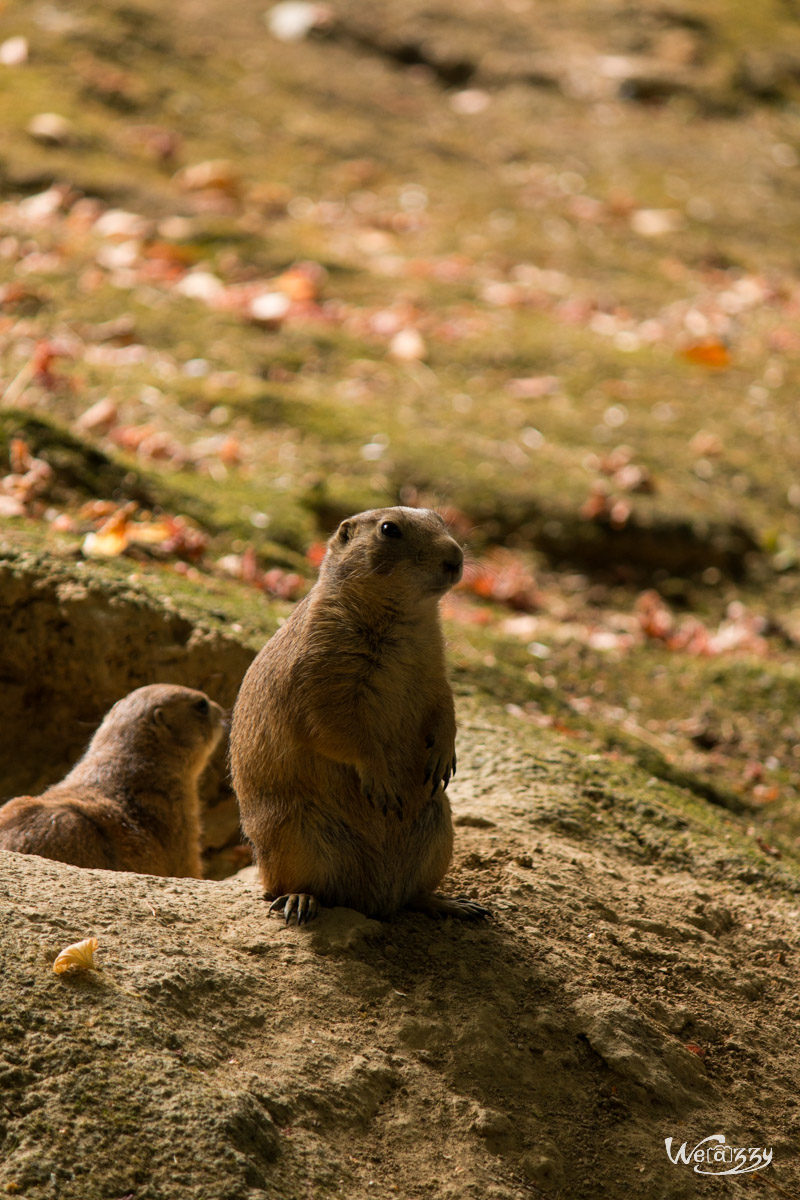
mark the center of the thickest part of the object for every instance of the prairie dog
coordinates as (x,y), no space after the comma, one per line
(343,732)
(131,803)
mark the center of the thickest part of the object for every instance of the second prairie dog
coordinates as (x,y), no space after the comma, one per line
(131,803)
(343,732)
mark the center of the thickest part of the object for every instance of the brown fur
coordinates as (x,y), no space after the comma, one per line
(343,733)
(131,803)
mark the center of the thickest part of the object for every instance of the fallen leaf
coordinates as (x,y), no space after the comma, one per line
(77,957)
(113,536)
(504,579)
(619,514)
(532,387)
(597,503)
(100,417)
(293,20)
(19,456)
(269,309)
(407,345)
(14,52)
(633,478)
(655,222)
(286,585)
(184,540)
(41,361)
(713,355)
(28,479)
(118,224)
(705,444)
(11,507)
(655,618)
(151,533)
(51,129)
(201,285)
(156,141)
(302,282)
(219,174)
(105,545)
(97,510)
(316,552)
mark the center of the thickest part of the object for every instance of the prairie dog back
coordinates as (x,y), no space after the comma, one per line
(131,803)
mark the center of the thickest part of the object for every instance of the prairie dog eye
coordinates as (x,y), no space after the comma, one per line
(390,530)
(201,706)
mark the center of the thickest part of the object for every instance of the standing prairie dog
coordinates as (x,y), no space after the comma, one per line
(131,803)
(343,732)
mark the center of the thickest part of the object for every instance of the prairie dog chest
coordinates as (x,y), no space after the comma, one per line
(404,663)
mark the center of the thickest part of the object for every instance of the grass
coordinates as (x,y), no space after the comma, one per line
(508,238)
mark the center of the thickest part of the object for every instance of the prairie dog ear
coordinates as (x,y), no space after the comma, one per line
(158,717)
(344,531)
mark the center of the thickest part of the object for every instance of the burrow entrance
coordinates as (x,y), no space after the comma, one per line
(70,648)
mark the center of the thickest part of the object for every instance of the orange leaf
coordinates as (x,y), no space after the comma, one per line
(106,544)
(175,254)
(713,355)
(19,456)
(301,283)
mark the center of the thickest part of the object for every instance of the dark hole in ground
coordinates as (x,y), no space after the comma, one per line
(70,650)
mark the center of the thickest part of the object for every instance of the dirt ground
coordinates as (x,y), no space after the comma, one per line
(638,982)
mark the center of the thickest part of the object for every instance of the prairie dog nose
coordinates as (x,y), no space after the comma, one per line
(453,562)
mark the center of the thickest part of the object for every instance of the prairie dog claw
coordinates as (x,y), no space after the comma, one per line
(449,906)
(300,905)
(382,796)
(440,766)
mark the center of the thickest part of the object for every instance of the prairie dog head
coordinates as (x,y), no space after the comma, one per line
(404,551)
(178,726)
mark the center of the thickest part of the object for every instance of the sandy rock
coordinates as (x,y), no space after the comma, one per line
(633,1047)
(342,929)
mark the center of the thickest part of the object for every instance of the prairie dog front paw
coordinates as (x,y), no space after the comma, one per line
(381,793)
(440,763)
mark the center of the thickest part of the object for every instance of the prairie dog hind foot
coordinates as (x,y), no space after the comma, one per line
(300,905)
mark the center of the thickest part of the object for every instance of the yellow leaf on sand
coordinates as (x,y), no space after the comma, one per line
(77,957)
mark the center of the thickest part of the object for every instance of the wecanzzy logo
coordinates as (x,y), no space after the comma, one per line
(713,1156)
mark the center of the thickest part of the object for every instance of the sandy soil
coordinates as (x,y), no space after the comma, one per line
(638,982)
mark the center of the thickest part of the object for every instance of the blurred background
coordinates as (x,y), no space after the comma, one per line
(532,263)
